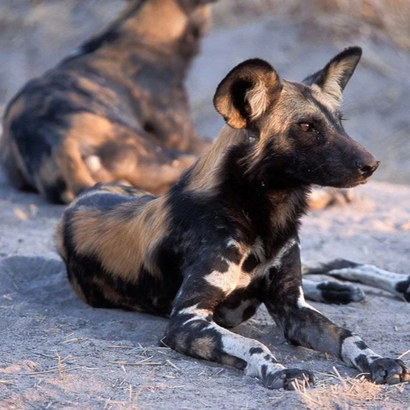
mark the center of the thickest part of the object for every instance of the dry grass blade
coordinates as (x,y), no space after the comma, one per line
(74,340)
(404,354)
(143,362)
(173,365)
(53,370)
(60,366)
(143,386)
(339,376)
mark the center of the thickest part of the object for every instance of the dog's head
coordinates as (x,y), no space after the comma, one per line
(198,13)
(171,23)
(297,127)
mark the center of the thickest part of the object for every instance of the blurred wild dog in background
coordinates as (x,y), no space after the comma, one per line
(115,109)
(224,239)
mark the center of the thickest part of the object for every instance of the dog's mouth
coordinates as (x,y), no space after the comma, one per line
(361,181)
(350,184)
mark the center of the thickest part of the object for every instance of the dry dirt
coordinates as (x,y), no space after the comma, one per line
(58,353)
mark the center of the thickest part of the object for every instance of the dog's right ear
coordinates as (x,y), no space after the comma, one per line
(246,92)
(332,79)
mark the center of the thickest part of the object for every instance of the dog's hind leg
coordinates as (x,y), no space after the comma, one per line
(395,283)
(305,326)
(332,292)
(73,170)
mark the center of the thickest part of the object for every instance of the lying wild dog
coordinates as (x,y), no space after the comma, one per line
(224,239)
(116,109)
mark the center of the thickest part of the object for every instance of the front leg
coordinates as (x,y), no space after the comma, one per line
(305,326)
(193,331)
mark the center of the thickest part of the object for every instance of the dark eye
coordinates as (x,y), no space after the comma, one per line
(305,127)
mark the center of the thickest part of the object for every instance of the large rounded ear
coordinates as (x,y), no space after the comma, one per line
(332,79)
(246,92)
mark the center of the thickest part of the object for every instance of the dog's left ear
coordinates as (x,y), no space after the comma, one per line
(244,95)
(333,78)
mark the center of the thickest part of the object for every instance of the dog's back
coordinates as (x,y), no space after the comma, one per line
(116,109)
(107,238)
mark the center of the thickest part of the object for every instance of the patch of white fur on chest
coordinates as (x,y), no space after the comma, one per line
(232,276)
(277,261)
(226,281)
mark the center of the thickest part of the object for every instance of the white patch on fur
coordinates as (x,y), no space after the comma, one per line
(199,314)
(350,351)
(93,163)
(226,281)
(241,248)
(231,243)
(239,346)
(302,302)
(277,262)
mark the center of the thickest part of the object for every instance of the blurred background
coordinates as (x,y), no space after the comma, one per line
(297,36)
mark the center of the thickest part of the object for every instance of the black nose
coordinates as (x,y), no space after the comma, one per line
(368,169)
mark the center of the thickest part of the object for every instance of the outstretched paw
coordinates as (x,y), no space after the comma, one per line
(289,379)
(389,371)
(339,293)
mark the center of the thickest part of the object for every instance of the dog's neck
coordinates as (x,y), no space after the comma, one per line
(266,202)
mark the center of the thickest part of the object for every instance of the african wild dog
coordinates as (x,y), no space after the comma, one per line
(224,239)
(116,109)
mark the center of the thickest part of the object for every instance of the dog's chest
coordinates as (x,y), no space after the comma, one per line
(255,262)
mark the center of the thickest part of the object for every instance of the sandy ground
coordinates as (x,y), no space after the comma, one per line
(56,352)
